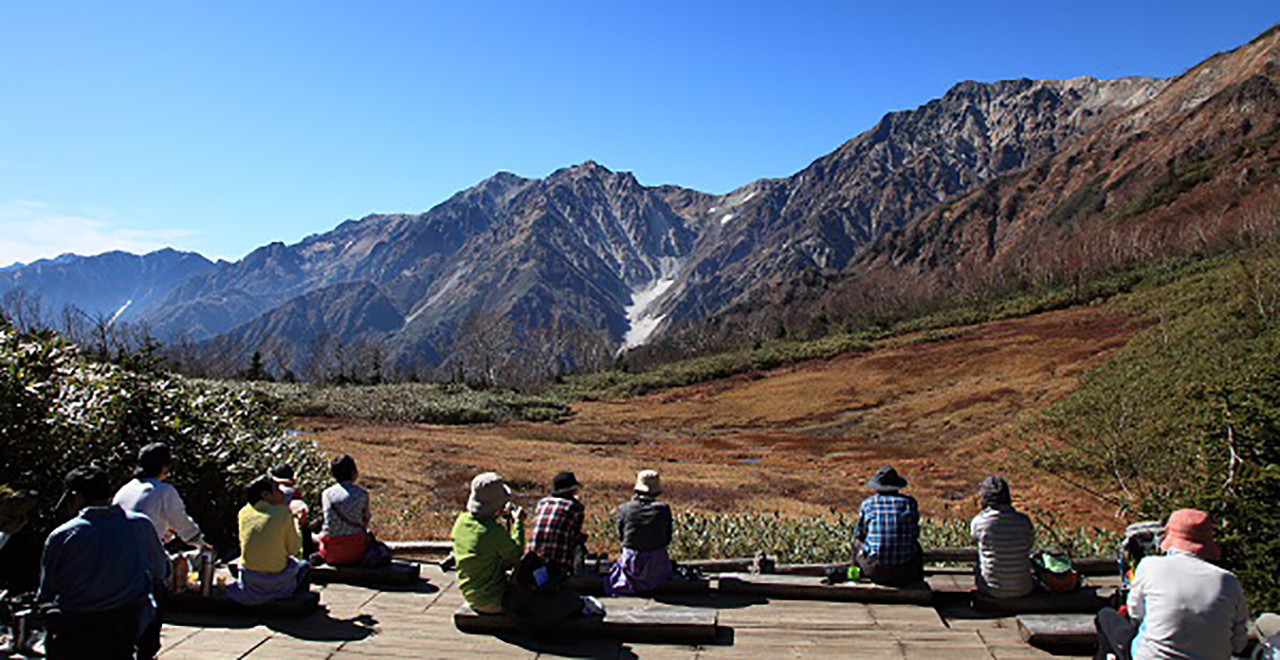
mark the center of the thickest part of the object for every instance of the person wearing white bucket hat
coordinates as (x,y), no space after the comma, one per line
(483,547)
(644,525)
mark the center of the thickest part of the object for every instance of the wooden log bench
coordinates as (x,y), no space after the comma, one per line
(395,574)
(649,623)
(218,603)
(593,585)
(802,587)
(1083,601)
(1058,631)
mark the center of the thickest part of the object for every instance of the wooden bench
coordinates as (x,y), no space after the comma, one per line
(295,606)
(593,585)
(1058,631)
(395,574)
(650,623)
(801,587)
(1084,601)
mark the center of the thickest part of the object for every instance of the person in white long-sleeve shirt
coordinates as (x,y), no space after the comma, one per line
(149,494)
(1179,605)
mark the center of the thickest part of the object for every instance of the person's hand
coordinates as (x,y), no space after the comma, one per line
(14,526)
(517,513)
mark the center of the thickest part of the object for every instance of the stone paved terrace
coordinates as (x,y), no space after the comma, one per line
(366,623)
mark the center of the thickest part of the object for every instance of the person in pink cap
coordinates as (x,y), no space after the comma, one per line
(1180,605)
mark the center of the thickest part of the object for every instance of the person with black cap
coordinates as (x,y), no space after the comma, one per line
(557,525)
(150,495)
(1005,537)
(887,536)
(98,573)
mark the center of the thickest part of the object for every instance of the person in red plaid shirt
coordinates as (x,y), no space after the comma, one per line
(557,524)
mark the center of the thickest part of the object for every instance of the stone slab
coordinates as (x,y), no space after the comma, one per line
(395,574)
(651,623)
(295,606)
(1081,601)
(1052,631)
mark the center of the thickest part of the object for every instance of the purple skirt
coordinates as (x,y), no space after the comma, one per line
(638,571)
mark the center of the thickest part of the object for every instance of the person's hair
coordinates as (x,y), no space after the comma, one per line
(254,491)
(282,471)
(153,459)
(90,482)
(343,468)
(994,492)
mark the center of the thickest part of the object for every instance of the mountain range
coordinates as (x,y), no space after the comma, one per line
(991,182)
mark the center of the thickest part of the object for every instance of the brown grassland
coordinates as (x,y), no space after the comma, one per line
(800,440)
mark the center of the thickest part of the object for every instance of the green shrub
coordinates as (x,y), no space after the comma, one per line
(1188,414)
(59,410)
(816,540)
(412,403)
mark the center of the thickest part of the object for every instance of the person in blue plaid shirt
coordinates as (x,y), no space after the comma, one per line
(887,543)
(557,525)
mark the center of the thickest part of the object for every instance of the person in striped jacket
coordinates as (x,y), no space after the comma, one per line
(1005,537)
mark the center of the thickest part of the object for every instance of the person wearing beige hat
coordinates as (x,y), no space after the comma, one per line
(644,526)
(1180,605)
(483,547)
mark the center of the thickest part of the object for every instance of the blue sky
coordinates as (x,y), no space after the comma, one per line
(222,126)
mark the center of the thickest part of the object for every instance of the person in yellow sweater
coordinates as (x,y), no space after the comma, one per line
(483,547)
(270,546)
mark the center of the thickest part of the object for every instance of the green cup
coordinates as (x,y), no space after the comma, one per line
(854,574)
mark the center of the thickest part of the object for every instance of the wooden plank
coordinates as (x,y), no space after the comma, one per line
(811,588)
(397,573)
(1084,601)
(436,547)
(1058,630)
(593,585)
(297,605)
(651,623)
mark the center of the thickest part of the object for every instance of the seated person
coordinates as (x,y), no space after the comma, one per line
(345,538)
(887,536)
(644,525)
(557,525)
(269,548)
(283,474)
(150,495)
(483,547)
(1005,537)
(1180,605)
(98,573)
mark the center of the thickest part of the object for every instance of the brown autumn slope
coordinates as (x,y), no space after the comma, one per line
(799,440)
(1189,170)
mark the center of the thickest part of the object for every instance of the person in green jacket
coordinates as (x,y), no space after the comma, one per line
(483,547)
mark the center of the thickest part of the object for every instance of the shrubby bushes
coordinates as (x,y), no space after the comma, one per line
(820,539)
(59,410)
(1189,413)
(411,403)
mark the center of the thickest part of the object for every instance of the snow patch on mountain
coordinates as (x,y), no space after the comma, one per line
(120,311)
(640,312)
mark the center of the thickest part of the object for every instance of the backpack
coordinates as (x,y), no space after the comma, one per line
(539,596)
(1054,572)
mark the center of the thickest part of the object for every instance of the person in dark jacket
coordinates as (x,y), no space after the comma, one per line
(644,525)
(98,573)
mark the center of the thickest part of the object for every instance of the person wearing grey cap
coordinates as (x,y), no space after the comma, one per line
(483,547)
(1005,537)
